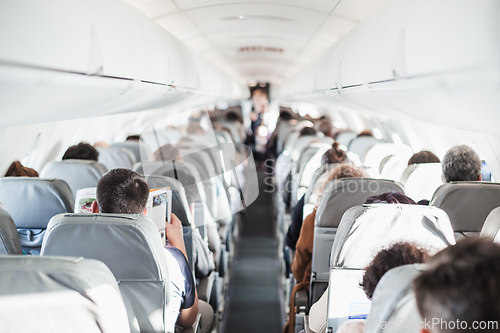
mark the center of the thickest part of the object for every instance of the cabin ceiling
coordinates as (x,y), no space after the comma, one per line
(267,40)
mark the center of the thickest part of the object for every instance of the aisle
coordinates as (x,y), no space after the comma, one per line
(254,300)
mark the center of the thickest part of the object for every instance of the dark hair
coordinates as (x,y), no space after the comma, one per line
(307,131)
(462,283)
(334,155)
(396,255)
(424,156)
(194,128)
(167,153)
(365,132)
(135,137)
(286,115)
(81,151)
(391,197)
(122,191)
(233,115)
(461,163)
(325,126)
(16,169)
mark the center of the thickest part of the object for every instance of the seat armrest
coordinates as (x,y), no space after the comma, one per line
(302,301)
(205,287)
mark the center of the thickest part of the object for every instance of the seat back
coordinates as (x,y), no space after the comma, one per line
(140,150)
(360,145)
(130,245)
(492,226)
(393,167)
(113,158)
(57,294)
(345,138)
(32,202)
(379,151)
(9,238)
(338,196)
(367,229)
(467,204)
(422,180)
(77,173)
(394,304)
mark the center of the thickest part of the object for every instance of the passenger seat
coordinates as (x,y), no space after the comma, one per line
(32,202)
(113,158)
(422,180)
(77,173)
(467,204)
(492,226)
(9,238)
(130,245)
(57,294)
(140,150)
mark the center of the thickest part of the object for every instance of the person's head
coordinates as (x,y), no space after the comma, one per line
(423,156)
(365,132)
(334,155)
(307,131)
(121,191)
(461,163)
(81,151)
(396,255)
(286,115)
(461,284)
(391,197)
(133,138)
(167,153)
(346,170)
(233,116)
(326,127)
(194,128)
(16,169)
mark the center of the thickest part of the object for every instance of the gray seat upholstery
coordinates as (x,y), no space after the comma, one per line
(393,302)
(57,294)
(32,202)
(422,180)
(9,238)
(492,226)
(467,204)
(140,150)
(345,138)
(113,158)
(130,245)
(360,145)
(365,230)
(77,173)
(338,197)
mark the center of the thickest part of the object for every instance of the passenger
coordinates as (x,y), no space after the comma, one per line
(391,197)
(423,156)
(123,191)
(461,163)
(194,128)
(301,266)
(333,155)
(365,132)
(16,169)
(460,288)
(396,255)
(325,126)
(81,151)
(167,153)
(101,144)
(307,131)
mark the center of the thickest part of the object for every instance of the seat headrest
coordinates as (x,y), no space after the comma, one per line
(394,301)
(113,158)
(32,202)
(367,229)
(140,150)
(467,203)
(361,144)
(116,240)
(77,173)
(492,226)
(341,194)
(422,180)
(57,293)
(9,238)
(376,154)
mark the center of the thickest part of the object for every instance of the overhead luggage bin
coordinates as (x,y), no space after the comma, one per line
(130,245)
(77,174)
(59,294)
(32,202)
(467,204)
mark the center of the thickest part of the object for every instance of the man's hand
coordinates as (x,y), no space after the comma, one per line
(175,235)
